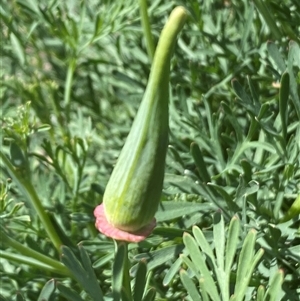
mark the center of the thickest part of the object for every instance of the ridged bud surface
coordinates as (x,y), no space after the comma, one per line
(134,189)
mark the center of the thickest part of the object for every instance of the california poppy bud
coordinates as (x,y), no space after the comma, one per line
(134,189)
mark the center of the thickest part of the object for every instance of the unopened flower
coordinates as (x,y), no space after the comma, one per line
(134,189)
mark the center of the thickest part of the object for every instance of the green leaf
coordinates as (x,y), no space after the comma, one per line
(43,128)
(18,48)
(219,242)
(118,271)
(172,271)
(47,291)
(254,126)
(275,286)
(260,293)
(199,161)
(219,239)
(254,91)
(193,269)
(30,256)
(246,101)
(169,210)
(17,156)
(246,256)
(160,256)
(60,232)
(19,297)
(168,232)
(284,92)
(4,299)
(186,184)
(86,262)
(125,295)
(243,190)
(69,293)
(28,190)
(190,286)
(150,295)
(14,210)
(84,277)
(245,262)
(103,260)
(234,121)
(80,217)
(276,56)
(204,294)
(258,255)
(293,56)
(72,263)
(293,211)
(199,262)
(93,287)
(247,170)
(226,197)
(268,17)
(231,243)
(203,243)
(247,27)
(140,281)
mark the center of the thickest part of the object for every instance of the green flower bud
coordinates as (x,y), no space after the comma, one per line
(134,189)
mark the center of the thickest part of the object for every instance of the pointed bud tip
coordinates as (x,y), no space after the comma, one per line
(109,230)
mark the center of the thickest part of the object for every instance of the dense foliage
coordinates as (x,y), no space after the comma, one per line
(73,74)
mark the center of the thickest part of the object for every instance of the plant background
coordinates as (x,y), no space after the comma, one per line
(72,76)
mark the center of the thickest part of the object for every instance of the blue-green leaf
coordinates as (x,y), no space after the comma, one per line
(172,271)
(190,286)
(69,293)
(118,271)
(283,102)
(232,242)
(47,291)
(84,277)
(201,268)
(140,281)
(18,48)
(150,295)
(276,56)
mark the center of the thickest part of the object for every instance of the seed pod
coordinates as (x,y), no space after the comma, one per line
(134,189)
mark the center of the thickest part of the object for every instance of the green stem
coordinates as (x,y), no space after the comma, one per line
(32,196)
(147,29)
(126,277)
(161,64)
(68,85)
(31,257)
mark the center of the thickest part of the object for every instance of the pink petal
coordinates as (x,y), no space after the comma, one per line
(109,230)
